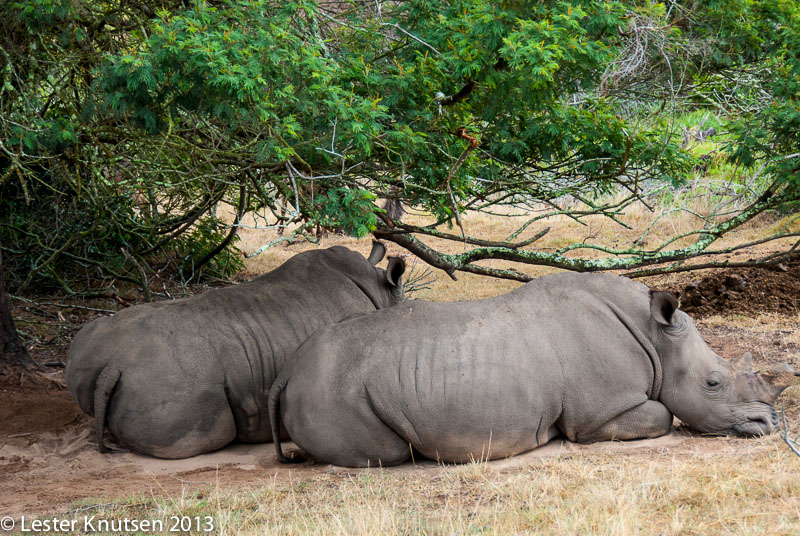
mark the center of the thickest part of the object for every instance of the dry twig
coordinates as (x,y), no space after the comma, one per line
(794,444)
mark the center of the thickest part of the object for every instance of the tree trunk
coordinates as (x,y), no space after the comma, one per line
(14,351)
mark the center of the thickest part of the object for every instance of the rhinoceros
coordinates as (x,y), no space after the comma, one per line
(588,356)
(179,378)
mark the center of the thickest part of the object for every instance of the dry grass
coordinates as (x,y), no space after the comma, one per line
(788,326)
(704,492)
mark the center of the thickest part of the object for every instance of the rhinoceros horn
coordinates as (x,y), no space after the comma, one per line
(777,377)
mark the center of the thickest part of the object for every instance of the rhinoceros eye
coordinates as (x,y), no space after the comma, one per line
(713,383)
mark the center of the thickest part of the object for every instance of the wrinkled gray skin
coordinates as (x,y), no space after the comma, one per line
(180,378)
(589,356)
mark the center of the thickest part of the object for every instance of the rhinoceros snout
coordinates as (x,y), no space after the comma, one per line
(762,423)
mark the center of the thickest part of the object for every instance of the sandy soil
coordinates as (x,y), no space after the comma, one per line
(49,463)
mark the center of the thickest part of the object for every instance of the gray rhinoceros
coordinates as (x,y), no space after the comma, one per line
(175,379)
(589,356)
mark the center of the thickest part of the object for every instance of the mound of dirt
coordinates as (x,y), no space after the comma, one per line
(744,291)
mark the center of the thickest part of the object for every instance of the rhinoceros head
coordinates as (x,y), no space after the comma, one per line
(702,389)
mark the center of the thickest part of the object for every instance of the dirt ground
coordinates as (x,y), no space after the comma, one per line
(740,291)
(48,460)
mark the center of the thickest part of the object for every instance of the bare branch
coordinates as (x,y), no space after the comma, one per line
(143,282)
(618,259)
(240,208)
(793,444)
(404,228)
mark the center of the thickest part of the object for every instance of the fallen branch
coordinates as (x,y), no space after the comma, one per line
(53,364)
(63,305)
(793,444)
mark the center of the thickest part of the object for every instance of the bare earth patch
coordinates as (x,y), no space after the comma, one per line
(744,291)
(49,463)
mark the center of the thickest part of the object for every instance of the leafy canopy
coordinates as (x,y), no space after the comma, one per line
(308,111)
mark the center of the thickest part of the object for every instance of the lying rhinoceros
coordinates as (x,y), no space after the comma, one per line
(179,378)
(590,357)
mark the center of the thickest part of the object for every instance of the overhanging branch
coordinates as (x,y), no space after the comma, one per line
(405,228)
(617,259)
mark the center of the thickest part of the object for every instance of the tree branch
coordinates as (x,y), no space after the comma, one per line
(240,208)
(619,259)
(405,228)
(793,444)
(460,95)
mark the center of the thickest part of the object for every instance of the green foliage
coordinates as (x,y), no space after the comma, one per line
(247,66)
(72,197)
(310,111)
(350,209)
(42,15)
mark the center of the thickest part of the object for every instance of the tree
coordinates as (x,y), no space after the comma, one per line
(84,198)
(308,112)
(13,349)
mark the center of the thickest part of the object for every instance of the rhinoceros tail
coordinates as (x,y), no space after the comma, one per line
(104,386)
(275,393)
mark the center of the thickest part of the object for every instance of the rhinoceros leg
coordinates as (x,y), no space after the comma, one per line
(650,419)
(345,432)
(171,423)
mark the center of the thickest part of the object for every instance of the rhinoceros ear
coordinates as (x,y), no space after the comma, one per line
(377,253)
(395,270)
(663,306)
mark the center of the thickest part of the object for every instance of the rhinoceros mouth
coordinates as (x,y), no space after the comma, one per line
(758,424)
